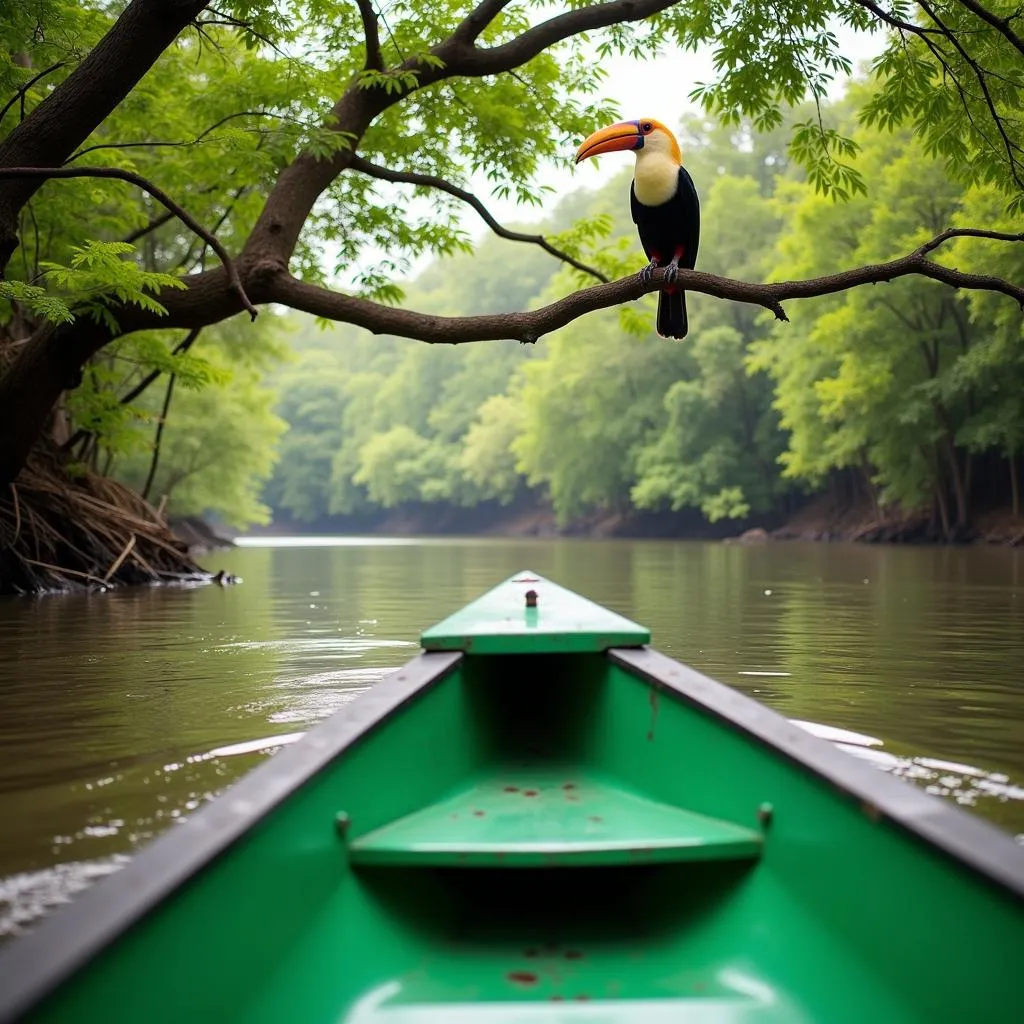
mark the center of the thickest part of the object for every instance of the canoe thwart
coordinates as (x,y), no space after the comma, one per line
(528,614)
(535,817)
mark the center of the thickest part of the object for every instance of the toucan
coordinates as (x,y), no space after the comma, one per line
(665,208)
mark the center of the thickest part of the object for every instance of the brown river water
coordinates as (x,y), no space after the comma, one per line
(121,713)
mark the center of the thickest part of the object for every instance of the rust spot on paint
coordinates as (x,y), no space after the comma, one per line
(511,789)
(479,814)
(529,792)
(530,952)
(522,977)
(582,998)
(871,812)
(557,999)
(569,785)
(573,954)
(453,816)
(653,698)
(594,817)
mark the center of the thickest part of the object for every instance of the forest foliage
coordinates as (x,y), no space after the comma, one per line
(277,125)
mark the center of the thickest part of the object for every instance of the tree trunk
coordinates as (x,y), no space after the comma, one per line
(29,389)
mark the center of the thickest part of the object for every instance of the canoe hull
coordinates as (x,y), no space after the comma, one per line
(592,836)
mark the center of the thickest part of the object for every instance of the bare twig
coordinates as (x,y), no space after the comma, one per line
(158,194)
(184,143)
(156,222)
(20,94)
(431,181)
(116,564)
(61,570)
(997,236)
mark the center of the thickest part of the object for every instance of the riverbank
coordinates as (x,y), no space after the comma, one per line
(817,520)
(820,520)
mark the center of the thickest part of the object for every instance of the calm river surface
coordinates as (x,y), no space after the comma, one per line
(120,713)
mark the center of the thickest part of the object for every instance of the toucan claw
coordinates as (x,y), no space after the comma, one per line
(672,270)
(647,274)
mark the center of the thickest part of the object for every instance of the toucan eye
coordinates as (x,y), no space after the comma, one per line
(646,126)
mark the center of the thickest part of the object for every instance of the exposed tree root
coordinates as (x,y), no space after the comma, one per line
(62,533)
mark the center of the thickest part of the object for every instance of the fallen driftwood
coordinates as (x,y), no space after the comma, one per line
(61,532)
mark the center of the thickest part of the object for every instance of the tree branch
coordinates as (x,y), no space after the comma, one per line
(357,163)
(478,19)
(527,327)
(997,236)
(979,74)
(69,114)
(461,59)
(155,144)
(158,194)
(890,19)
(1001,25)
(28,85)
(374,60)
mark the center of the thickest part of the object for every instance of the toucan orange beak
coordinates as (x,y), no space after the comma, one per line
(624,135)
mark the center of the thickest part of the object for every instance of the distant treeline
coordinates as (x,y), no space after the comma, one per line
(904,396)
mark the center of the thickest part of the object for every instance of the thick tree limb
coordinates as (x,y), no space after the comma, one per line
(374,60)
(235,282)
(478,19)
(432,181)
(66,118)
(529,326)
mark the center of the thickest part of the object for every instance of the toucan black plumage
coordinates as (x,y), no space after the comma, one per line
(664,204)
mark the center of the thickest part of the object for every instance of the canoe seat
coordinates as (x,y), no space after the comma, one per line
(546,817)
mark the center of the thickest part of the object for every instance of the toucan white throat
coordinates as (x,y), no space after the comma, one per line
(656,176)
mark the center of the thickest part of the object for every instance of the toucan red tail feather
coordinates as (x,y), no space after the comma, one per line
(672,321)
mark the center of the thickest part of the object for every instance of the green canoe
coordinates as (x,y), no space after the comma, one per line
(541,819)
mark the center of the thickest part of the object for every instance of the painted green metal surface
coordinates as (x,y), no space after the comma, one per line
(501,622)
(546,816)
(841,918)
